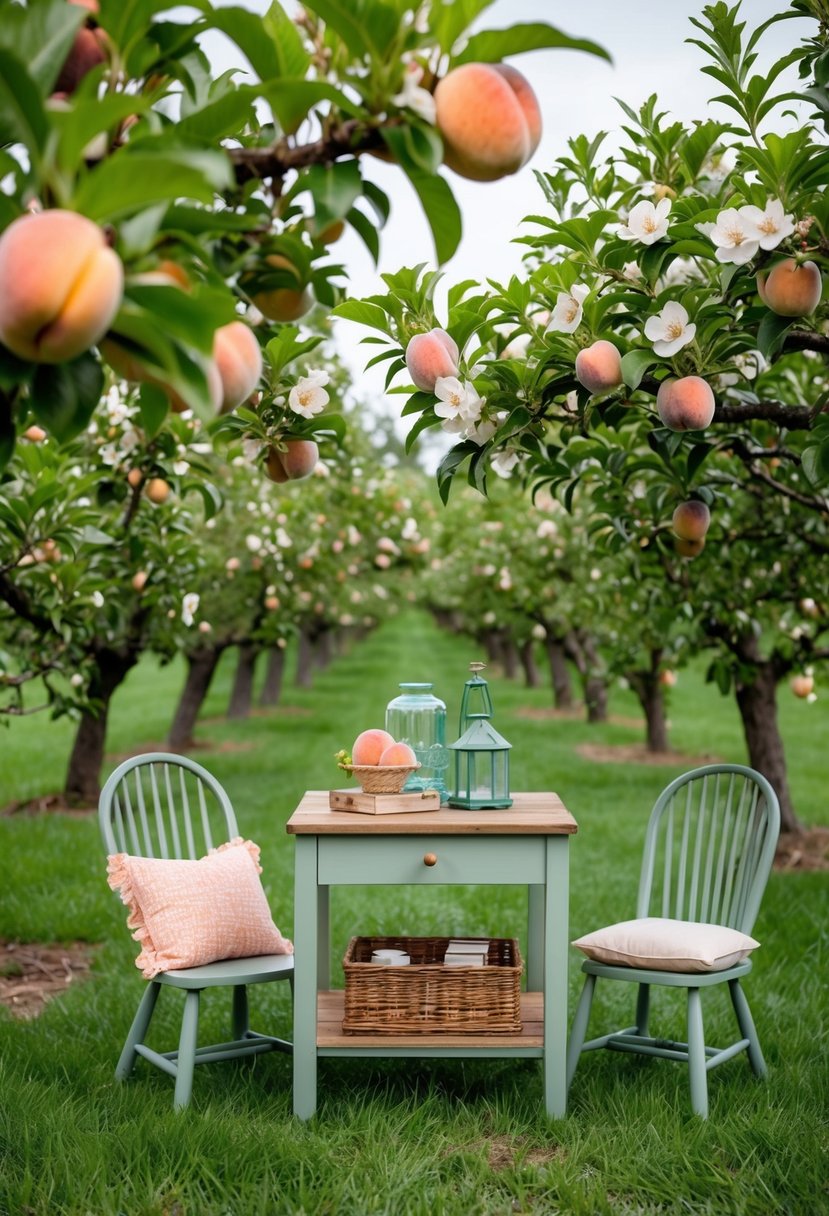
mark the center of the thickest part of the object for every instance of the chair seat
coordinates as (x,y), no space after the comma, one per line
(257,969)
(671,979)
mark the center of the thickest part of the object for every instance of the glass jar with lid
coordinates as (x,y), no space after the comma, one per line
(418,717)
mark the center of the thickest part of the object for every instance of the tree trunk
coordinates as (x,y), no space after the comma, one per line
(272,687)
(649,691)
(201,666)
(324,649)
(582,649)
(510,655)
(559,673)
(304,660)
(492,644)
(241,696)
(757,703)
(83,775)
(532,679)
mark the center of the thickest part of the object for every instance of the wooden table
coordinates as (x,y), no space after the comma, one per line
(525,845)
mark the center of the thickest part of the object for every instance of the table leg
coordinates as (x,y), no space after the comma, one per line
(556,950)
(323,941)
(535,938)
(305,976)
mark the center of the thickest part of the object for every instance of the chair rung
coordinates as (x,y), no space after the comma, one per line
(164,1062)
(727,1053)
(648,1047)
(253,1045)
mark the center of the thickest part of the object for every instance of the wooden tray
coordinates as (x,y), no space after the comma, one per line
(383,804)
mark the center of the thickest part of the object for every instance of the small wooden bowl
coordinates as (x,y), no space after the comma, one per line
(380,778)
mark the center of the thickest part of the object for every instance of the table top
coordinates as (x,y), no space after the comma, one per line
(531,814)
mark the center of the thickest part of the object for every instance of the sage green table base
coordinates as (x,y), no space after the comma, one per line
(495,847)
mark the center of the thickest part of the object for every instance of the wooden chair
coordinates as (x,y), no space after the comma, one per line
(161,805)
(709,847)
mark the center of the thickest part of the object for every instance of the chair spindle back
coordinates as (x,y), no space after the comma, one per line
(709,847)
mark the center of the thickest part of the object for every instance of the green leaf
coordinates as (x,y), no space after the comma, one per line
(22,116)
(425,420)
(634,365)
(153,405)
(441,211)
(13,371)
(292,98)
(225,116)
(450,464)
(63,396)
(770,333)
(334,190)
(132,181)
(364,314)
(41,37)
(365,26)
(449,21)
(7,432)
(366,231)
(492,46)
(249,32)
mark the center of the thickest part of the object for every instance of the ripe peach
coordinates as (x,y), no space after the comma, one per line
(283,303)
(431,355)
(789,289)
(271,603)
(691,520)
(802,685)
(489,120)
(139,580)
(60,286)
(157,489)
(135,477)
(599,367)
(370,745)
(239,359)
(296,460)
(686,404)
(398,753)
(35,434)
(667,678)
(689,548)
(88,50)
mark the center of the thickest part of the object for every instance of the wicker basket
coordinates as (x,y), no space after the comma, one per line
(428,997)
(380,778)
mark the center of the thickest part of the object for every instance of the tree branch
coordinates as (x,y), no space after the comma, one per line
(792,417)
(21,605)
(348,138)
(801,339)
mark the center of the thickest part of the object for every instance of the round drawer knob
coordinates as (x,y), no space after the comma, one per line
(430,859)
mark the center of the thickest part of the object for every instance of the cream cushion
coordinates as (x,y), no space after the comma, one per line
(187,913)
(657,943)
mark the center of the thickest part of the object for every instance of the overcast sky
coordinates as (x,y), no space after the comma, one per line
(576,93)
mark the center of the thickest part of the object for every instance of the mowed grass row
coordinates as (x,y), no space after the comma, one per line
(400,1137)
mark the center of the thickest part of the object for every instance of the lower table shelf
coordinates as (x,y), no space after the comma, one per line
(332,1040)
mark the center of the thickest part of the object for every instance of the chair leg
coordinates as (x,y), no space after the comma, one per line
(696,1055)
(241,1021)
(186,1061)
(137,1031)
(643,1008)
(579,1028)
(747,1028)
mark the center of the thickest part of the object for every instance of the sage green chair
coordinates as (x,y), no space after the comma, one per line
(709,847)
(166,806)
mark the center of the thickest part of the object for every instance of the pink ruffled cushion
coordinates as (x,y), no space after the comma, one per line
(187,913)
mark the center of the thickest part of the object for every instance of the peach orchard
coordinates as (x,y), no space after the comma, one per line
(168,253)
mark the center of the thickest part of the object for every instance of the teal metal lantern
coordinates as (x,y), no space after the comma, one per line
(481,755)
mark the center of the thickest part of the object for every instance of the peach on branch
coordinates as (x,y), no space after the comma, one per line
(88,50)
(691,520)
(489,120)
(689,548)
(296,459)
(791,289)
(286,303)
(599,367)
(802,685)
(431,355)
(158,490)
(135,477)
(686,404)
(370,745)
(238,357)
(60,286)
(139,580)
(35,434)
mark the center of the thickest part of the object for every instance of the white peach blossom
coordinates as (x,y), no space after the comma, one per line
(503,463)
(736,236)
(97,599)
(772,223)
(308,396)
(413,97)
(189,607)
(459,403)
(646,223)
(567,313)
(670,329)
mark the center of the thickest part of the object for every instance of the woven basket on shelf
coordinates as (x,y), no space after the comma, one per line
(428,997)
(380,778)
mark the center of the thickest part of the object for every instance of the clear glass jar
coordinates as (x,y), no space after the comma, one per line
(418,718)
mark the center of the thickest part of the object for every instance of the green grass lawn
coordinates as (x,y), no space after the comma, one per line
(419,1137)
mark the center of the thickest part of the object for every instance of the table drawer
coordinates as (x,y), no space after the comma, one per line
(368,861)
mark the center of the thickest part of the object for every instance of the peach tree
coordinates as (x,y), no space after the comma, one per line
(666,347)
